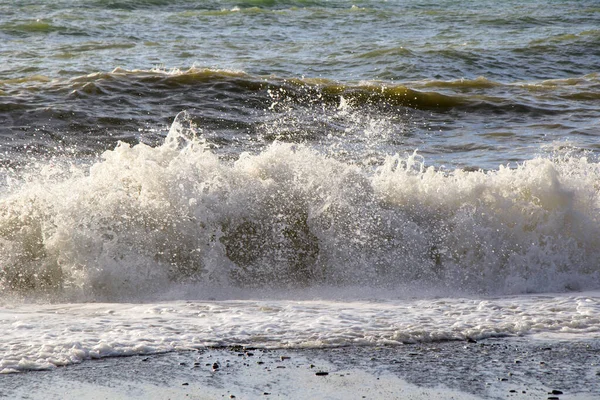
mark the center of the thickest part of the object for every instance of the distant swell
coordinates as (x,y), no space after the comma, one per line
(145,218)
(151,83)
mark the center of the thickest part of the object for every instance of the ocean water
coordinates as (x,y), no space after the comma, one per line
(295,174)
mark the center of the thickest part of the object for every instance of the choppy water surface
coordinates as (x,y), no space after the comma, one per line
(495,81)
(156,151)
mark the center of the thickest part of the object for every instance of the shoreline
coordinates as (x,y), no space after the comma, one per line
(516,368)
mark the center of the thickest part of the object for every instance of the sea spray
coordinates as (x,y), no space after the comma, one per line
(142,219)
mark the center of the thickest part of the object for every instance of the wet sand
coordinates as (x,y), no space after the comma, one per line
(490,369)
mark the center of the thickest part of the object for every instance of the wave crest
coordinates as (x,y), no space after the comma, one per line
(144,218)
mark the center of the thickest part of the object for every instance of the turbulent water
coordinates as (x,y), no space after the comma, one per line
(295,173)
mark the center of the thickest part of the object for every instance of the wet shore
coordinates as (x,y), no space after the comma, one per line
(491,369)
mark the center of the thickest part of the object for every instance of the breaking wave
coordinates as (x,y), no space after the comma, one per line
(142,219)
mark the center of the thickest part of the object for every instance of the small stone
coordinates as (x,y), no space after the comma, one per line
(553,398)
(517,361)
(260,362)
(471,340)
(283,358)
(512,391)
(321,373)
(184,384)
(231,396)
(266,393)
(556,392)
(181,363)
(249,354)
(215,366)
(145,359)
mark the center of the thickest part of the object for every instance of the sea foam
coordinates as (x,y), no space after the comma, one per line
(143,219)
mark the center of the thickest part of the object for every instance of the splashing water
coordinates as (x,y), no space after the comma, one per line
(145,218)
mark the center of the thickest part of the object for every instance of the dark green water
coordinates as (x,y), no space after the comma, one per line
(476,83)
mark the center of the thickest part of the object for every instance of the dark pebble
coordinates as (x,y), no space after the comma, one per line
(471,340)
(181,363)
(231,396)
(145,359)
(184,384)
(215,366)
(320,373)
(283,358)
(249,354)
(556,392)
(553,398)
(512,391)
(260,362)
(266,393)
(280,366)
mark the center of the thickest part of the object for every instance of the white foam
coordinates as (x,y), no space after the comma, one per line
(143,219)
(45,336)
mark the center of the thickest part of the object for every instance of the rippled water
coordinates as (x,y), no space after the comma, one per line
(507,79)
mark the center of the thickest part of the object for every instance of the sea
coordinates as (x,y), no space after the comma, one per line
(295,174)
